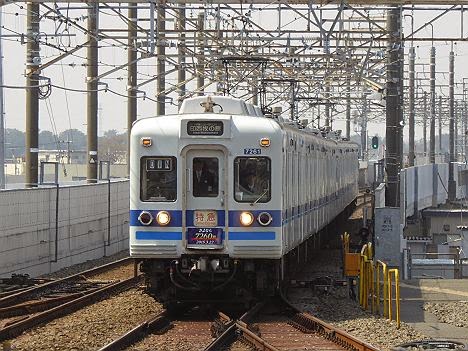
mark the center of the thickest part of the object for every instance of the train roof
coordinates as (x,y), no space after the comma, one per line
(220,104)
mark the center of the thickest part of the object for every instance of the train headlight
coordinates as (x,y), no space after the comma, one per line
(246,218)
(145,218)
(163,218)
(264,218)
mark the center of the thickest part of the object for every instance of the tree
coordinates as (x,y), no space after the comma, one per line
(14,143)
(113,146)
(77,138)
(47,141)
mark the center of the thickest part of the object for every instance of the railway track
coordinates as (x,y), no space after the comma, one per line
(273,325)
(37,305)
(17,283)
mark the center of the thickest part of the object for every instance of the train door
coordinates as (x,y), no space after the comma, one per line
(205,200)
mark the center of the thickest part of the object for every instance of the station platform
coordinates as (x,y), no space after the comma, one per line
(414,293)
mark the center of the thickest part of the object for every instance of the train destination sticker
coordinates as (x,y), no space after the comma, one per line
(205,128)
(159,164)
(204,236)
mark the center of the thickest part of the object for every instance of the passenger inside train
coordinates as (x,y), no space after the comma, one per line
(205,174)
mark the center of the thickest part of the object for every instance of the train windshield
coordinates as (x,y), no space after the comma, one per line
(158,179)
(205,176)
(252,179)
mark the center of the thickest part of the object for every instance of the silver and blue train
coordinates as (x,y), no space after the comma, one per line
(220,194)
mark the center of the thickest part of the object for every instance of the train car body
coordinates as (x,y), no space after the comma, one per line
(218,198)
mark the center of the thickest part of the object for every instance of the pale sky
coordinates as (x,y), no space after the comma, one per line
(64,110)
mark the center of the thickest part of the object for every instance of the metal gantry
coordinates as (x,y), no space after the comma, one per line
(320,62)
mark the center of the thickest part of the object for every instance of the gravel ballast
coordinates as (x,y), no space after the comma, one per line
(91,327)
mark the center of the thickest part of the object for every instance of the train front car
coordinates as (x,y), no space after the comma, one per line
(206,201)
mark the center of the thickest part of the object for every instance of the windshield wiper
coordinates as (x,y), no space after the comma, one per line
(253,203)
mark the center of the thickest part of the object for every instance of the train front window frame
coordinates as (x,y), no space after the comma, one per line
(158,179)
(257,172)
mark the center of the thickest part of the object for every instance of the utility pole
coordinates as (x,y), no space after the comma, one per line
(181,52)
(92,95)
(465,136)
(33,61)
(425,124)
(348,105)
(2,119)
(201,54)
(456,139)
(132,74)
(364,129)
(393,107)
(433,100)
(411,155)
(161,58)
(451,179)
(327,104)
(440,124)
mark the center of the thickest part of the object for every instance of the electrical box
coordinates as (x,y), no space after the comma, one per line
(351,265)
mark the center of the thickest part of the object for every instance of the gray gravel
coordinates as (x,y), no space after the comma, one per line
(92,327)
(454,313)
(336,308)
(81,267)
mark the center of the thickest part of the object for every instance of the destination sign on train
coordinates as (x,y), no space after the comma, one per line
(159,164)
(205,128)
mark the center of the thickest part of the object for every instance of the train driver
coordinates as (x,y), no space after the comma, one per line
(249,182)
(203,180)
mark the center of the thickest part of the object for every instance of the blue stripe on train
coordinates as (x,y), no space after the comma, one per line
(252,235)
(176,218)
(234,218)
(139,235)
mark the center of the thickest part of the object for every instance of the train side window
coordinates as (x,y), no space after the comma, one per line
(252,179)
(158,180)
(205,176)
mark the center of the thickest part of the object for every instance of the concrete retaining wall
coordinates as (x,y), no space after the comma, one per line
(423,187)
(29,226)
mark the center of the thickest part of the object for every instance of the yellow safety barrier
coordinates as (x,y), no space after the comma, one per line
(397,295)
(379,264)
(345,239)
(370,281)
(365,276)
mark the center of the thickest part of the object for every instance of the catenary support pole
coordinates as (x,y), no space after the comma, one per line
(161,53)
(439,121)
(425,124)
(201,54)
(393,106)
(92,94)
(433,108)
(132,74)
(33,60)
(327,104)
(411,155)
(348,107)
(181,52)
(451,179)
(2,120)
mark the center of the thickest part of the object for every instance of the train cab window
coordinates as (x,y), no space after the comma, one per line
(252,179)
(158,182)
(205,176)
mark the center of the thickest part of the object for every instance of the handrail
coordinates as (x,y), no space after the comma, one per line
(395,272)
(369,284)
(379,264)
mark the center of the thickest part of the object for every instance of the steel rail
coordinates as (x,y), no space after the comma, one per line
(23,295)
(155,323)
(308,323)
(16,329)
